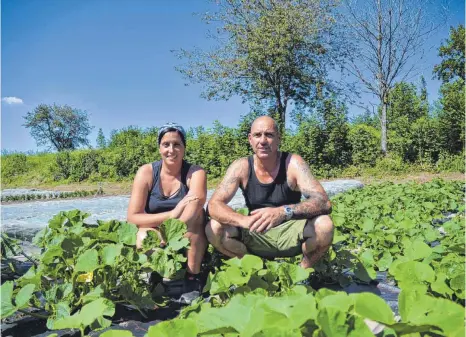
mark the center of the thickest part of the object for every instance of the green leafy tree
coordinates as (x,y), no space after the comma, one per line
(364,140)
(405,108)
(451,116)
(271,53)
(101,141)
(58,126)
(452,106)
(336,147)
(452,54)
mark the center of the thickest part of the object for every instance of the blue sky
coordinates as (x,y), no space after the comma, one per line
(113,59)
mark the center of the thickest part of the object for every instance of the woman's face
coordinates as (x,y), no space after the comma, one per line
(171,147)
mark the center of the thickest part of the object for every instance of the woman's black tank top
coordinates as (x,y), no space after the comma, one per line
(277,193)
(156,201)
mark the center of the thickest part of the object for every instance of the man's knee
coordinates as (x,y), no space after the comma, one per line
(324,225)
(321,228)
(214,231)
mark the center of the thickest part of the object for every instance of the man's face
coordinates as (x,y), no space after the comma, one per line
(264,139)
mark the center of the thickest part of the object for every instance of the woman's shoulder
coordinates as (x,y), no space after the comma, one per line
(146,169)
(193,168)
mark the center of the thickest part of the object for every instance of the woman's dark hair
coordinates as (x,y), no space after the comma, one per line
(172,127)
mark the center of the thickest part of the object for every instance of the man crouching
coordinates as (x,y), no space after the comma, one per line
(279,223)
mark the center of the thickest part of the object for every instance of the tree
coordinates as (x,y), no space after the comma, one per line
(452,95)
(405,108)
(451,116)
(452,65)
(271,53)
(101,141)
(59,126)
(389,36)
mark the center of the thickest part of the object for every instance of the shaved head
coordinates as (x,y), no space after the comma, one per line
(266,121)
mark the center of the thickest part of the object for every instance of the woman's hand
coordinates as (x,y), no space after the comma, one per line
(178,210)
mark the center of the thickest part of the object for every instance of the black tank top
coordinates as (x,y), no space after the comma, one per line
(277,193)
(156,201)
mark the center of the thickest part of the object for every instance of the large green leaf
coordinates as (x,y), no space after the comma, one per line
(250,263)
(58,221)
(418,250)
(94,294)
(339,301)
(127,233)
(368,305)
(439,286)
(360,328)
(7,307)
(51,254)
(24,295)
(413,272)
(385,261)
(290,274)
(172,229)
(88,261)
(89,314)
(110,253)
(332,322)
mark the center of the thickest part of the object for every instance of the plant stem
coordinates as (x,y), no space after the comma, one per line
(5,241)
(33,314)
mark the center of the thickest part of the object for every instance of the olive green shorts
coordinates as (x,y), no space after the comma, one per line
(284,240)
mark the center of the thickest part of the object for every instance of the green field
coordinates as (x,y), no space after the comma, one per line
(412,232)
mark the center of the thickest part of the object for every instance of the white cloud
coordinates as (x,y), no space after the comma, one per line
(12,100)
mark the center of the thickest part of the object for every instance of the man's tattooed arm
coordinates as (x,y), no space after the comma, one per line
(218,208)
(317,202)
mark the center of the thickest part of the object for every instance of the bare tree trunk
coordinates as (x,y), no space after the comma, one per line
(383,122)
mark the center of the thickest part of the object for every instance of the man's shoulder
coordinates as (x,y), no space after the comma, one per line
(238,169)
(240,163)
(294,159)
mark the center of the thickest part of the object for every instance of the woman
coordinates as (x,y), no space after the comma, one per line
(171,188)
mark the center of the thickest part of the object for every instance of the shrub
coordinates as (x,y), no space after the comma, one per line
(365,144)
(13,165)
(451,163)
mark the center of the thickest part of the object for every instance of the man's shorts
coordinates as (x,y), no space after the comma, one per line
(284,240)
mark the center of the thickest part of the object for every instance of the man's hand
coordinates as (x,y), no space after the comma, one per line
(269,217)
(249,220)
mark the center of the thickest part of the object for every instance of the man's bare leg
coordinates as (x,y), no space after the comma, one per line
(318,235)
(222,238)
(198,242)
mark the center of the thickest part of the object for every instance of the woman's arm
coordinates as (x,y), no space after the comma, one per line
(198,188)
(139,192)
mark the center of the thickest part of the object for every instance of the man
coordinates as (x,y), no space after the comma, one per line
(279,223)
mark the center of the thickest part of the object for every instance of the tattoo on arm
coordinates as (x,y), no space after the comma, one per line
(226,189)
(316,202)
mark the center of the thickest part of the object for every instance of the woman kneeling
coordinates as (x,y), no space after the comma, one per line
(171,188)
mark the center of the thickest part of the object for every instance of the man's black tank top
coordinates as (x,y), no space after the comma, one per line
(277,193)
(156,201)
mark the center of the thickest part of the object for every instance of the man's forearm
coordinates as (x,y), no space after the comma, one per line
(225,214)
(316,204)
